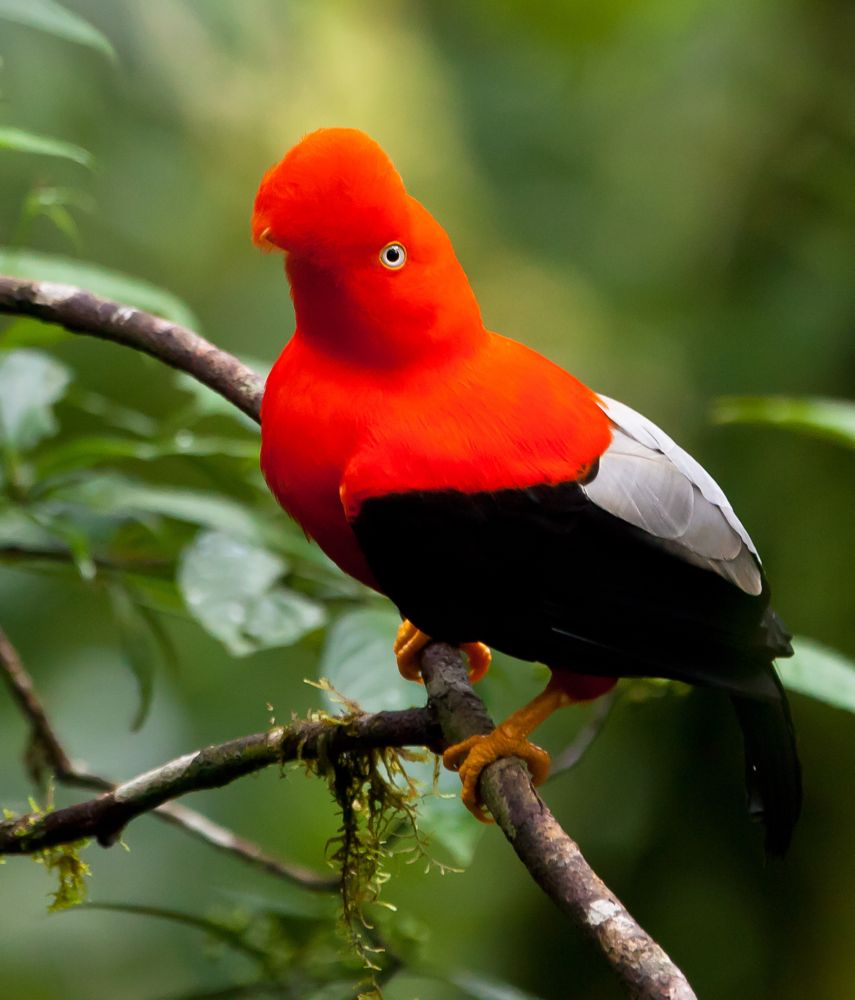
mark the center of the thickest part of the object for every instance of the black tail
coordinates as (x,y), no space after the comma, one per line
(772,770)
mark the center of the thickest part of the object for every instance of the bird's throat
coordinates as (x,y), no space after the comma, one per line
(342,314)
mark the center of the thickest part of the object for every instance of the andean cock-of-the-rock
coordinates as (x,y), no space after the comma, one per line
(494,498)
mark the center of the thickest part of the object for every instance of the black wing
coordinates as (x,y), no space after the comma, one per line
(546,574)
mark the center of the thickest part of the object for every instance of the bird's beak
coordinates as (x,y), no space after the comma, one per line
(262,240)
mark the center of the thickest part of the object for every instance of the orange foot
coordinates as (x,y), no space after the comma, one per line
(470,757)
(409,643)
(509,739)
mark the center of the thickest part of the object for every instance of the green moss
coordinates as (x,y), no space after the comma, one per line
(72,871)
(378,804)
(64,860)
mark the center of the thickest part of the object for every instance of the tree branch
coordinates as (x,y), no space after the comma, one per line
(551,857)
(46,749)
(82,312)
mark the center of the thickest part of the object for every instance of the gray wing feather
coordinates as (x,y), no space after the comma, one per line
(649,481)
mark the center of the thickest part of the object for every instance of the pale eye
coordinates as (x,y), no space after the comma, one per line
(393,256)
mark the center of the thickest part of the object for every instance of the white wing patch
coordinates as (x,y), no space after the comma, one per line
(646,479)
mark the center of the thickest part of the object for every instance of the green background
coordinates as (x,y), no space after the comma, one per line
(659,196)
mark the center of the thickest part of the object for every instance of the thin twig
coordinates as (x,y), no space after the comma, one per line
(23,692)
(586,737)
(220,837)
(23,553)
(551,857)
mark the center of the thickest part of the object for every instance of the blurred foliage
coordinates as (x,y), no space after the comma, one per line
(659,196)
(26,142)
(100,280)
(54,18)
(826,418)
(821,673)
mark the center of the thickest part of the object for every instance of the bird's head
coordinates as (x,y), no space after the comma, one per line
(371,271)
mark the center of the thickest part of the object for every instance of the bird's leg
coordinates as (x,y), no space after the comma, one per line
(508,739)
(410,642)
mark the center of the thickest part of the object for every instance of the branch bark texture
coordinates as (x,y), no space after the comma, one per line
(551,857)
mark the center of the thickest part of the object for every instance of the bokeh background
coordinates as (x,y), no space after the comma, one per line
(659,196)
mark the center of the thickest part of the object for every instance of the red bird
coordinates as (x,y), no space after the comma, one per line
(404,437)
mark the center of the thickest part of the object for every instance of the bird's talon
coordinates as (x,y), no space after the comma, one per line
(479,657)
(472,800)
(408,646)
(455,755)
(471,756)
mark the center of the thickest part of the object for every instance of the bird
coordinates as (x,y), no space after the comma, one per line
(498,501)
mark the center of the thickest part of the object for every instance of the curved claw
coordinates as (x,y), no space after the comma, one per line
(480,657)
(410,641)
(407,647)
(471,756)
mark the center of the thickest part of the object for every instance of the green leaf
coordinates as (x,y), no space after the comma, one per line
(358,661)
(108,411)
(443,818)
(288,901)
(833,419)
(281,618)
(480,988)
(36,531)
(141,647)
(54,204)
(19,531)
(207,403)
(88,452)
(30,383)
(220,930)
(232,588)
(77,542)
(119,495)
(19,141)
(100,280)
(820,672)
(336,989)
(50,17)
(156,593)
(25,332)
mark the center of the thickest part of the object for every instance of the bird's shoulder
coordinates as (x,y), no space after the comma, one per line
(502,418)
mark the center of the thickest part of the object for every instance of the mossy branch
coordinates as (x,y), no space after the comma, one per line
(47,758)
(105,817)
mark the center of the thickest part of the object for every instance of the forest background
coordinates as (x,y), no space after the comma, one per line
(657,196)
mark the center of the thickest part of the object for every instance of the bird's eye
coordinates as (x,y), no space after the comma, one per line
(393,256)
